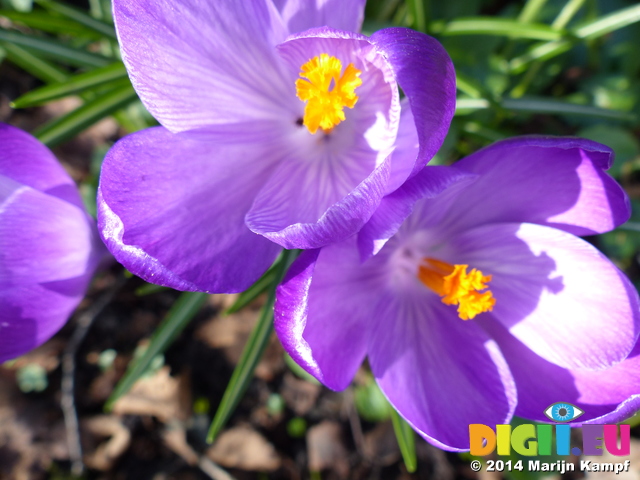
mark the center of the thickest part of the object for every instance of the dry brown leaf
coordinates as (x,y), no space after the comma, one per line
(161,396)
(244,448)
(326,450)
(106,453)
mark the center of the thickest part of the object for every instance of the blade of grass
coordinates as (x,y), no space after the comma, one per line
(39,68)
(64,127)
(589,31)
(531,10)
(497,26)
(567,13)
(71,86)
(465,106)
(48,23)
(181,313)
(53,49)
(564,17)
(254,291)
(406,440)
(243,373)
(416,7)
(82,18)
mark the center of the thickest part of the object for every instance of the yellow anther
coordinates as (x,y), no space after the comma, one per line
(327,91)
(457,287)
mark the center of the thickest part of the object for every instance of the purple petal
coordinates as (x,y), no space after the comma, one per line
(394,209)
(406,148)
(197,63)
(547,180)
(322,314)
(49,250)
(27,161)
(425,73)
(439,372)
(172,206)
(330,184)
(606,396)
(301,15)
(555,292)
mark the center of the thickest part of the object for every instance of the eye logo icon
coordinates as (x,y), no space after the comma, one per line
(562,412)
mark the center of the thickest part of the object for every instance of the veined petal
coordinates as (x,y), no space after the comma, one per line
(555,292)
(424,190)
(425,73)
(553,181)
(331,183)
(439,372)
(172,206)
(27,161)
(196,63)
(299,15)
(322,313)
(48,253)
(605,396)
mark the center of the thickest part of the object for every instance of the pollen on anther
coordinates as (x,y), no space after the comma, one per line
(457,287)
(326,91)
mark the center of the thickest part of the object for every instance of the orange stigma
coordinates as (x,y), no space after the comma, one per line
(457,287)
(327,91)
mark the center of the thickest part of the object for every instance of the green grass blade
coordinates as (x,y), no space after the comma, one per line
(39,68)
(182,312)
(567,13)
(531,10)
(497,26)
(251,354)
(48,23)
(56,50)
(82,18)
(416,7)
(590,31)
(72,86)
(465,106)
(544,105)
(609,23)
(406,440)
(65,127)
(254,291)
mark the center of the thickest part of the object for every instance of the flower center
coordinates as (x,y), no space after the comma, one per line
(457,287)
(327,91)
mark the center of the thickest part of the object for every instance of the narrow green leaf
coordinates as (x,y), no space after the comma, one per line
(65,127)
(72,86)
(80,17)
(609,23)
(54,49)
(406,441)
(469,86)
(33,64)
(254,291)
(531,10)
(150,288)
(589,31)
(182,312)
(243,373)
(46,22)
(567,13)
(465,106)
(497,26)
(563,108)
(418,13)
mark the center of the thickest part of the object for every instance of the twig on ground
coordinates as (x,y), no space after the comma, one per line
(67,402)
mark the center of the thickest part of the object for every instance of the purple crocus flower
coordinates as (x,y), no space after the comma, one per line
(280,128)
(480,302)
(49,246)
